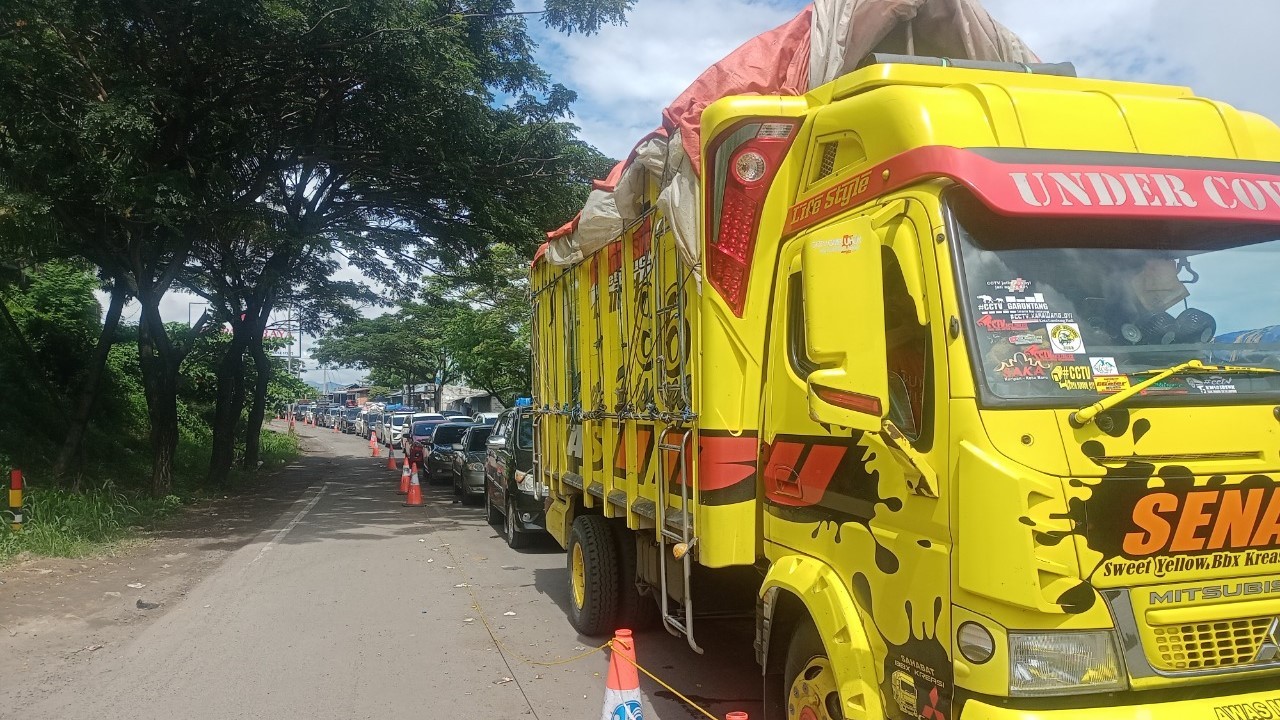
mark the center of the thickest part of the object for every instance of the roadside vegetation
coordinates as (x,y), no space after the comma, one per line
(246,151)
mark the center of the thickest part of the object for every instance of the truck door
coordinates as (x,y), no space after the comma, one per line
(854,500)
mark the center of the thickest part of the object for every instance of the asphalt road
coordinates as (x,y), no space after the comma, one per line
(350,605)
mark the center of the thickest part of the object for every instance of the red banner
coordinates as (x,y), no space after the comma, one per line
(1066,189)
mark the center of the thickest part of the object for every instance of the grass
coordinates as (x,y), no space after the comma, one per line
(63,523)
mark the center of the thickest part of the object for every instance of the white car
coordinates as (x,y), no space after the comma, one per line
(395,425)
(485,418)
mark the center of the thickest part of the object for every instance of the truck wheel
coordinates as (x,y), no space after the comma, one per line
(515,539)
(809,683)
(593,576)
(635,611)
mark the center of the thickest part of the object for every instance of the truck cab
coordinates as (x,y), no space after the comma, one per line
(1022,398)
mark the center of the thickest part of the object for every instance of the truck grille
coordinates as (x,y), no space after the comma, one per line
(1203,646)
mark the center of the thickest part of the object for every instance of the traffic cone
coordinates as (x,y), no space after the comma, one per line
(622,686)
(373,444)
(373,438)
(404,478)
(391,459)
(415,490)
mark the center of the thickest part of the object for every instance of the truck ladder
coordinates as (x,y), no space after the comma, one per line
(674,623)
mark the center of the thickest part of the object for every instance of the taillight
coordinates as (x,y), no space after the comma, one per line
(744,161)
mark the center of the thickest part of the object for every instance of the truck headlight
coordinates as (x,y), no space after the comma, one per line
(526,482)
(1064,662)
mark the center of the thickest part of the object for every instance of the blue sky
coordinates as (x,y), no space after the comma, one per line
(624,76)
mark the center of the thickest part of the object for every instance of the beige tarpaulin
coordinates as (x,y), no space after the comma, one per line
(826,40)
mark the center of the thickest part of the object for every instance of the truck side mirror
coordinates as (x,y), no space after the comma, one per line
(844,326)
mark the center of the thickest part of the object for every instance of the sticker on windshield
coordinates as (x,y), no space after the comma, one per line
(995,324)
(1073,377)
(1112,384)
(1104,366)
(1015,285)
(1064,337)
(1023,367)
(1213,385)
(1025,339)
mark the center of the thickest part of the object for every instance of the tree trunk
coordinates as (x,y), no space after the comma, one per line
(159,362)
(258,408)
(229,402)
(89,390)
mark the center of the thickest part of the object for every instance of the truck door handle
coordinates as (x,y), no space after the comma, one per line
(786,482)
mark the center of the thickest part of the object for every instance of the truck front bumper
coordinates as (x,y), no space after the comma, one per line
(1209,706)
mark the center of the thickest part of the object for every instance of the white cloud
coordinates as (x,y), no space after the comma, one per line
(625,75)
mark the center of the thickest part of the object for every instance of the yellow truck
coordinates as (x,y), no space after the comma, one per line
(972,394)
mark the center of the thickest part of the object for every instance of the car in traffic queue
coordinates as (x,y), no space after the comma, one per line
(404,440)
(485,418)
(441,448)
(468,463)
(347,421)
(373,423)
(512,491)
(420,432)
(395,425)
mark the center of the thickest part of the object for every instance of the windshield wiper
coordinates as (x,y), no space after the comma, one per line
(1086,414)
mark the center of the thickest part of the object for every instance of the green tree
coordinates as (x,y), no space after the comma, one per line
(143,132)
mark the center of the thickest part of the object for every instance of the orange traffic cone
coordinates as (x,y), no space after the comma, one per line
(404,478)
(622,686)
(391,459)
(415,490)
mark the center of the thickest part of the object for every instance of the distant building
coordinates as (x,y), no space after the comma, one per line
(354,394)
(469,400)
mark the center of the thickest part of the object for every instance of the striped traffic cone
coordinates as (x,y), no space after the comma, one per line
(622,687)
(391,459)
(373,443)
(404,478)
(415,490)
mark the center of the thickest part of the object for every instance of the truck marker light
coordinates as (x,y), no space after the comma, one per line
(975,642)
(856,402)
(750,167)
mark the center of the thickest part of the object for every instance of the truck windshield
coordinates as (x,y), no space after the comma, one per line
(1062,310)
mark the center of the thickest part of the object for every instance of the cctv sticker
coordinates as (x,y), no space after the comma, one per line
(1064,338)
(1104,366)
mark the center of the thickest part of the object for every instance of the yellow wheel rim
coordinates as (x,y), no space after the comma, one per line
(813,693)
(578,573)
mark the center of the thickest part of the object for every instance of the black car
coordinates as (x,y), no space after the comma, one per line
(512,490)
(347,421)
(440,452)
(468,463)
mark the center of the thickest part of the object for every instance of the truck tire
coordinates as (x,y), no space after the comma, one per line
(593,576)
(809,683)
(635,611)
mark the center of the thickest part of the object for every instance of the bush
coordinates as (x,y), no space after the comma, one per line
(63,523)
